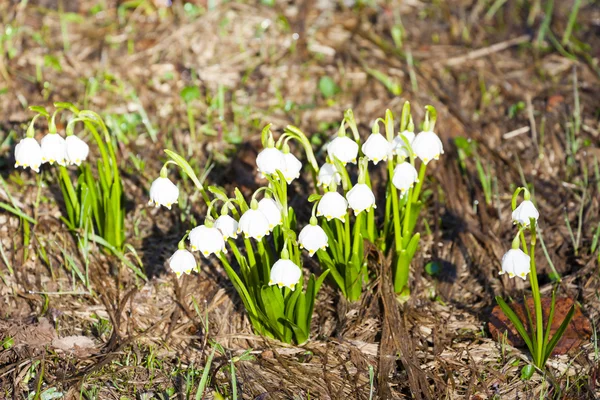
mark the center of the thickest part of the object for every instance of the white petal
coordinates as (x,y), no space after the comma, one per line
(77,150)
(285,273)
(163,192)
(272,210)
(427,146)
(207,240)
(326,173)
(227,225)
(28,154)
(312,238)
(376,148)
(254,224)
(360,198)
(524,212)
(344,149)
(332,205)
(405,176)
(270,160)
(54,149)
(292,167)
(182,261)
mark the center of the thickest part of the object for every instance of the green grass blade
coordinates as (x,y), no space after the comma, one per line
(17,212)
(205,374)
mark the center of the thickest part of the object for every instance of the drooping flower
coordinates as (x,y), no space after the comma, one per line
(28,154)
(376,148)
(254,224)
(405,176)
(312,238)
(361,198)
(344,149)
(327,173)
(285,273)
(269,160)
(227,225)
(427,146)
(332,205)
(207,240)
(163,192)
(516,263)
(182,262)
(272,210)
(399,145)
(54,149)
(292,167)
(77,150)
(524,212)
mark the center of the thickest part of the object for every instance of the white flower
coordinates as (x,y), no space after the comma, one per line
(207,240)
(361,198)
(269,161)
(182,262)
(344,149)
(326,173)
(524,212)
(312,238)
(28,153)
(405,176)
(332,205)
(77,150)
(292,167)
(427,146)
(163,192)
(227,225)
(285,273)
(54,149)
(398,144)
(376,148)
(272,211)
(254,224)
(516,263)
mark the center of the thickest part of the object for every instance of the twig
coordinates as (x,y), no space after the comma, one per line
(495,48)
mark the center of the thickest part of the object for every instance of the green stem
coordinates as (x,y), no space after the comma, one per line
(417,191)
(535,289)
(395,211)
(347,237)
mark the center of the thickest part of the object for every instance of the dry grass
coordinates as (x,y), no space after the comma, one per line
(473,65)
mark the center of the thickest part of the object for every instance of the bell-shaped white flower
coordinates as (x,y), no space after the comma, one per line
(28,154)
(254,223)
(405,176)
(516,263)
(344,149)
(54,149)
(376,148)
(163,192)
(292,167)
(285,273)
(182,262)
(207,240)
(399,145)
(524,212)
(327,173)
(227,225)
(272,210)
(77,150)
(332,205)
(427,146)
(361,198)
(312,238)
(270,160)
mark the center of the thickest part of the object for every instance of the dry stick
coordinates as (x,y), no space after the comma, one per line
(531,119)
(395,340)
(486,50)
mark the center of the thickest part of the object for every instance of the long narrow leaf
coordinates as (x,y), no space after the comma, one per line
(516,322)
(559,332)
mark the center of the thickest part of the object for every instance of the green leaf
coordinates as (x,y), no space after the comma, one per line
(527,372)
(510,314)
(264,135)
(559,332)
(328,87)
(40,110)
(314,197)
(218,192)
(190,93)
(17,212)
(186,167)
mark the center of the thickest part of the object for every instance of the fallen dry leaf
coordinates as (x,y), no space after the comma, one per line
(578,331)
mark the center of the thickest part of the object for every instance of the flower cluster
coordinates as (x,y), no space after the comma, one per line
(53,149)
(263,234)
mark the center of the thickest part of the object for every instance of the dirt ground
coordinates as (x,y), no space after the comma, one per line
(506,74)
